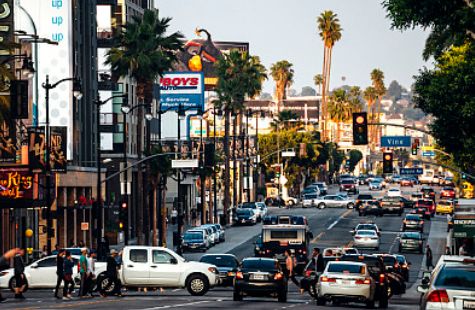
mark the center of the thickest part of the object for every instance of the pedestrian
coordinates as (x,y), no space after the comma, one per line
(68,276)
(81,244)
(463,250)
(447,251)
(289,266)
(174,216)
(4,263)
(111,272)
(429,258)
(20,279)
(83,272)
(317,266)
(59,271)
(90,273)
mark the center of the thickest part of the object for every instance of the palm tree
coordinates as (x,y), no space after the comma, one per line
(377,79)
(239,76)
(283,75)
(318,80)
(284,117)
(330,31)
(339,109)
(144,52)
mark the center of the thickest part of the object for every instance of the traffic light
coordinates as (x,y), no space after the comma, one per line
(123,216)
(360,128)
(464,176)
(387,162)
(415,147)
(209,155)
(277,171)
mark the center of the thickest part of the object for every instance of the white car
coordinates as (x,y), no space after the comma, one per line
(215,232)
(346,281)
(394,192)
(367,226)
(263,208)
(42,273)
(255,207)
(309,200)
(147,266)
(209,233)
(334,201)
(366,239)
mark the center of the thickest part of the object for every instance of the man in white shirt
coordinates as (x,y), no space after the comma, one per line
(90,272)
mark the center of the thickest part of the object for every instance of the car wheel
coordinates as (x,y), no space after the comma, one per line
(350,206)
(321,302)
(321,205)
(312,290)
(12,285)
(197,285)
(370,304)
(106,286)
(291,203)
(237,296)
(282,296)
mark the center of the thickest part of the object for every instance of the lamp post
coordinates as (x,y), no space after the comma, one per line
(100,219)
(126,109)
(215,194)
(77,93)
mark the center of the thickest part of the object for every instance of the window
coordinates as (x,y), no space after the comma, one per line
(161,257)
(283,234)
(346,268)
(138,256)
(49,262)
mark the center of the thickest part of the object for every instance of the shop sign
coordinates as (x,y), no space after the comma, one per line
(16,183)
(464,228)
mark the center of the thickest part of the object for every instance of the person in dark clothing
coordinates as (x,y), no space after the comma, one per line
(68,276)
(429,257)
(111,272)
(4,262)
(59,271)
(317,265)
(20,281)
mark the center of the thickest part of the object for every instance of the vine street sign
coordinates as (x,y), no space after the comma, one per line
(411,171)
(395,141)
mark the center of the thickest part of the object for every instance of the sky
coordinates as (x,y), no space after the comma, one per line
(287,29)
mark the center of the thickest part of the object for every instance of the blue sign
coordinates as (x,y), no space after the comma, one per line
(428,153)
(395,141)
(182,89)
(411,171)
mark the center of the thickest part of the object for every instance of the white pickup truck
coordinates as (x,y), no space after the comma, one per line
(147,266)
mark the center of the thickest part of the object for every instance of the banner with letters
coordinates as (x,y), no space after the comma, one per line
(182,89)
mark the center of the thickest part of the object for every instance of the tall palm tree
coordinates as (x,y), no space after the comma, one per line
(377,80)
(284,117)
(144,52)
(283,75)
(318,80)
(239,76)
(330,31)
(339,109)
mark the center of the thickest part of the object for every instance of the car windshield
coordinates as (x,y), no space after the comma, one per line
(365,232)
(366,227)
(448,189)
(347,181)
(401,259)
(249,205)
(244,212)
(445,203)
(456,278)
(387,198)
(413,217)
(319,185)
(193,235)
(424,202)
(220,260)
(346,268)
(268,265)
(411,235)
(310,196)
(389,260)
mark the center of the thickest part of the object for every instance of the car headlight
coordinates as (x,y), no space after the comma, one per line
(213,270)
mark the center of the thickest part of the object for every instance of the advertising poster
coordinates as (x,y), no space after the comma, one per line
(59,142)
(182,89)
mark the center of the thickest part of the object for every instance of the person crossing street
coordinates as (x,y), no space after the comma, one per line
(59,271)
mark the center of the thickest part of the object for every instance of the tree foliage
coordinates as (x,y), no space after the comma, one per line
(355,156)
(283,74)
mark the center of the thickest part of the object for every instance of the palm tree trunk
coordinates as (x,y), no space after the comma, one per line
(324,105)
(329,62)
(227,175)
(140,201)
(235,170)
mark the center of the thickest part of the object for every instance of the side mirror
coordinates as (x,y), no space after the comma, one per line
(422,289)
(425,281)
(173,261)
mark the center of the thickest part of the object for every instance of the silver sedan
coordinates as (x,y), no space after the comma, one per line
(334,201)
(366,239)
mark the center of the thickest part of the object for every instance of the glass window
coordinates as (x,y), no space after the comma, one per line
(459,278)
(220,260)
(283,234)
(48,262)
(138,256)
(161,257)
(346,268)
(260,264)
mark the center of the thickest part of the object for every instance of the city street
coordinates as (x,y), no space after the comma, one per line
(330,227)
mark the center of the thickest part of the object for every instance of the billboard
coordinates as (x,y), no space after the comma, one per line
(185,89)
(54,21)
(16,183)
(37,149)
(8,144)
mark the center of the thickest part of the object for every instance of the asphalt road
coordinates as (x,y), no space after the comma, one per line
(331,229)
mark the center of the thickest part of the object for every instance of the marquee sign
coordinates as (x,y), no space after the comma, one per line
(16,183)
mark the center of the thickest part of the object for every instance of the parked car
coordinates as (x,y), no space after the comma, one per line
(366,239)
(253,205)
(260,277)
(245,217)
(211,234)
(334,201)
(215,232)
(411,241)
(263,207)
(451,285)
(413,222)
(222,232)
(148,266)
(348,185)
(195,240)
(346,281)
(226,264)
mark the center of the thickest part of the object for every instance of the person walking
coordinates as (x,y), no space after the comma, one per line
(289,266)
(90,273)
(111,272)
(4,263)
(59,271)
(68,276)
(447,251)
(429,258)
(20,280)
(83,272)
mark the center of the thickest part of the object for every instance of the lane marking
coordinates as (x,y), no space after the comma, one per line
(320,235)
(347,212)
(179,305)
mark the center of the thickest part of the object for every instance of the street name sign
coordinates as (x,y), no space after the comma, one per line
(428,150)
(411,171)
(395,141)
(184,163)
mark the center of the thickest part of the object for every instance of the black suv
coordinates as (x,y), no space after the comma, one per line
(260,277)
(377,271)
(371,207)
(362,198)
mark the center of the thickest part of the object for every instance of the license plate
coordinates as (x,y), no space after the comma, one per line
(258,277)
(468,304)
(346,282)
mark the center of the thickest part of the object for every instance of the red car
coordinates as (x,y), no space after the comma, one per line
(427,205)
(447,192)
(406,182)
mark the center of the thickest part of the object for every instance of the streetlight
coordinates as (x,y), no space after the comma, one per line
(100,226)
(77,93)
(126,109)
(258,114)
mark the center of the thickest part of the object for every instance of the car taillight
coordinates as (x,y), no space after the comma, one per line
(438,296)
(381,278)
(278,276)
(239,275)
(357,237)
(422,222)
(361,281)
(326,279)
(404,266)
